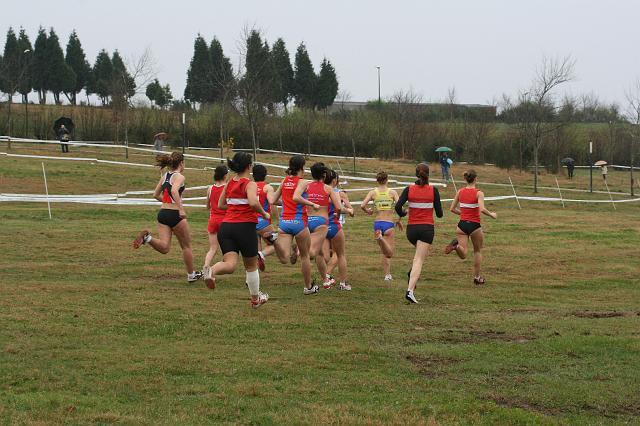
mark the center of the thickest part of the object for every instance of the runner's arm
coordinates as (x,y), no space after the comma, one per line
(222,201)
(335,199)
(157,192)
(365,203)
(254,201)
(455,205)
(483,210)
(404,197)
(437,205)
(297,195)
(347,203)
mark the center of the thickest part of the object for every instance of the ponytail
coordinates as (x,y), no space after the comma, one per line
(240,161)
(422,173)
(296,163)
(171,161)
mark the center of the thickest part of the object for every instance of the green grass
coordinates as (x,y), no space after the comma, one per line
(93,332)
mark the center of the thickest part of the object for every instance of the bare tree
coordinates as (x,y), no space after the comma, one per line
(406,115)
(478,126)
(140,71)
(633,116)
(537,118)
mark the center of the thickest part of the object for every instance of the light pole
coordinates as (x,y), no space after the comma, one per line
(184,131)
(26,98)
(379,98)
(590,167)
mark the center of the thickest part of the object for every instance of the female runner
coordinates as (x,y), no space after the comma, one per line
(423,200)
(216,215)
(294,223)
(237,233)
(320,194)
(383,225)
(469,203)
(264,228)
(334,244)
(172,218)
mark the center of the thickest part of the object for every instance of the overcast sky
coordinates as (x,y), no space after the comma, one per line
(482,47)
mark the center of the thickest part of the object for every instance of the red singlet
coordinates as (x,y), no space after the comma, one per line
(420,204)
(290,209)
(238,209)
(469,207)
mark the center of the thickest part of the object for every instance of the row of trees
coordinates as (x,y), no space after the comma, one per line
(263,86)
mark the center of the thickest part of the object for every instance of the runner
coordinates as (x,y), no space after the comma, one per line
(172,218)
(383,226)
(334,244)
(469,203)
(423,200)
(264,228)
(217,214)
(294,223)
(237,233)
(329,255)
(320,194)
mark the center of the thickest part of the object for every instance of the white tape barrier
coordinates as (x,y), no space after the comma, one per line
(114,199)
(95,160)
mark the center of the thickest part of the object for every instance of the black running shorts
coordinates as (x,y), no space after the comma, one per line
(239,237)
(468,227)
(169,217)
(420,232)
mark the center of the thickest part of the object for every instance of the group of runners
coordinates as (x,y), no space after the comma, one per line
(311,222)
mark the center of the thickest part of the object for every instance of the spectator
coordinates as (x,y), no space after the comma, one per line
(158,142)
(63,137)
(603,168)
(444,165)
(570,166)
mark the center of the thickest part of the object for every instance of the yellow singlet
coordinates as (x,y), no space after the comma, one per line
(382,200)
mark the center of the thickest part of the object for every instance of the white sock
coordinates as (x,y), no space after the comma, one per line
(253,282)
(261,254)
(147,238)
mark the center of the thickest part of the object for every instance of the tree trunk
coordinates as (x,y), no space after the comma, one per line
(253,139)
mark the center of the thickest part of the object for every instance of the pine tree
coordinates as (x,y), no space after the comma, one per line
(102,77)
(123,85)
(283,73)
(12,65)
(25,47)
(160,95)
(199,73)
(327,85)
(40,65)
(61,77)
(304,79)
(77,60)
(221,75)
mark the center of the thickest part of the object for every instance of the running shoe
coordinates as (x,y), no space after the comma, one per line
(261,265)
(141,239)
(192,278)
(293,258)
(388,277)
(327,285)
(210,280)
(410,297)
(479,280)
(271,239)
(451,246)
(345,286)
(313,290)
(377,235)
(261,300)
(331,279)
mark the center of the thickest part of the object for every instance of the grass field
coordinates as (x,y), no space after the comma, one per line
(92,331)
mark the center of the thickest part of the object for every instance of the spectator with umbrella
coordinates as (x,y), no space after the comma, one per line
(158,141)
(445,161)
(63,127)
(571,164)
